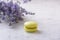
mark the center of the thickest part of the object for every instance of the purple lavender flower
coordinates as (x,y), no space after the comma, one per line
(12,12)
(25,1)
(10,4)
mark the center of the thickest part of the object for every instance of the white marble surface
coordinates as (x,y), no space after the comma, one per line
(48,19)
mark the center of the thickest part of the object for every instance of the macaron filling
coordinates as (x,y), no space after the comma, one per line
(30,27)
(30,30)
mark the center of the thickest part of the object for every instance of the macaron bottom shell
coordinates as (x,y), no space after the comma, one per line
(30,30)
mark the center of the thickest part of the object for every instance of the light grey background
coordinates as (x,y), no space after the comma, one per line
(47,16)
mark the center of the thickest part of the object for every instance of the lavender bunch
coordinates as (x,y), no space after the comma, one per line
(12,12)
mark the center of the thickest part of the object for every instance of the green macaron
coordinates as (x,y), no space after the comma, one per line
(30,26)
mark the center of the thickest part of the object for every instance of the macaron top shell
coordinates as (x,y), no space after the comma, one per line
(30,24)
